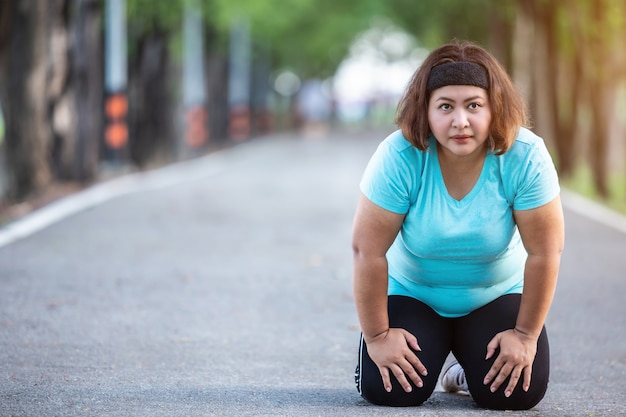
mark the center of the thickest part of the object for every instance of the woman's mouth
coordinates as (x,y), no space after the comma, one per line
(461,138)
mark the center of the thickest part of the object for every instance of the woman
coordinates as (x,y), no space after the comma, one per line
(457,241)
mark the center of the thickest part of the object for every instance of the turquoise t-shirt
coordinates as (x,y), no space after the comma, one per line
(457,256)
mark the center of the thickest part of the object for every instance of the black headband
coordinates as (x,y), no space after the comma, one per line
(457,73)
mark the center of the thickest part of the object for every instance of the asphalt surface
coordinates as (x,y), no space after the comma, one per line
(222,287)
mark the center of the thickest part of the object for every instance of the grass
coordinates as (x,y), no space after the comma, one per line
(582,183)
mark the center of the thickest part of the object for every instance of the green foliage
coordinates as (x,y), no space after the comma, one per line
(313,36)
(310,36)
(146,15)
(441,21)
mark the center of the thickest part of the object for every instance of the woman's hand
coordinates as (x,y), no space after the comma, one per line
(516,357)
(391,352)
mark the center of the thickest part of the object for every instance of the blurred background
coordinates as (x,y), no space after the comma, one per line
(91,89)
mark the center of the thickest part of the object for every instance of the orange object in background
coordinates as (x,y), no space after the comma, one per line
(116,135)
(116,106)
(197,133)
(239,123)
(116,131)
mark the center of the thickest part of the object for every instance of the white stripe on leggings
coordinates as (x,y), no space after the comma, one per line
(358,385)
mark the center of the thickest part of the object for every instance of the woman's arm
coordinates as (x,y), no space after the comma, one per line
(542,232)
(374,231)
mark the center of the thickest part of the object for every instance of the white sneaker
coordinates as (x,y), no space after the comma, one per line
(453,378)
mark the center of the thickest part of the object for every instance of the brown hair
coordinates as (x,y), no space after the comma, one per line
(508,112)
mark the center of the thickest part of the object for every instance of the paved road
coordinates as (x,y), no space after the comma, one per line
(222,287)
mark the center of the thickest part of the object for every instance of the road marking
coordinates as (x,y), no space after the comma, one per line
(593,210)
(170,175)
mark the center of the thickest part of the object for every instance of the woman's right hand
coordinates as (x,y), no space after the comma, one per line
(391,352)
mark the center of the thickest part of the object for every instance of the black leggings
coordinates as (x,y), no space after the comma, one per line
(467,338)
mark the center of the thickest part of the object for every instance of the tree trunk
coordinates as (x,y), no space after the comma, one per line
(523,54)
(6,14)
(556,80)
(532,67)
(599,86)
(546,18)
(563,97)
(61,97)
(151,112)
(217,73)
(599,136)
(500,36)
(27,133)
(572,93)
(89,79)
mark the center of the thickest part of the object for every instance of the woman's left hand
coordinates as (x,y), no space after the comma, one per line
(516,357)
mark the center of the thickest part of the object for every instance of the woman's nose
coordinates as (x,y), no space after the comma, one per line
(460,120)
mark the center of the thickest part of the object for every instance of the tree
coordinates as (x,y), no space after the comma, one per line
(309,36)
(87,85)
(436,22)
(555,65)
(24,96)
(577,75)
(601,81)
(51,97)
(151,87)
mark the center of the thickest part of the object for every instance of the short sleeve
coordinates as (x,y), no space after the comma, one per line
(537,183)
(390,177)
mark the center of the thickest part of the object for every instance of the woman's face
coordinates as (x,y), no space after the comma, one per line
(459,117)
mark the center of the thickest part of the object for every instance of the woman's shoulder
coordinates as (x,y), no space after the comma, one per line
(392,176)
(397,146)
(398,142)
(527,172)
(527,138)
(527,145)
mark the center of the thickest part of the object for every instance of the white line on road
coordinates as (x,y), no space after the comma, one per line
(132,183)
(593,210)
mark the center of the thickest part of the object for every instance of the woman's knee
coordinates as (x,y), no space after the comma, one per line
(519,399)
(476,330)
(374,392)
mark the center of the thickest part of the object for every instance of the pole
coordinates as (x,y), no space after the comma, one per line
(194,83)
(115,80)
(239,80)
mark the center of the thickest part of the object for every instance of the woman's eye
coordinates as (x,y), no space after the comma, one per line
(474,106)
(445,107)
